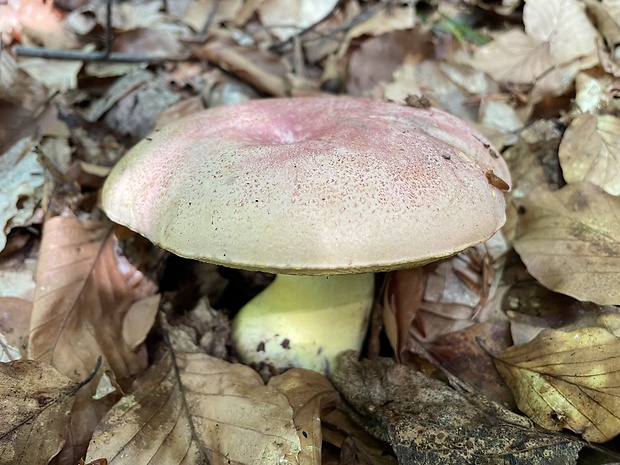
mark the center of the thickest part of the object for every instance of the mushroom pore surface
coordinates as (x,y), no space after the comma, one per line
(311,186)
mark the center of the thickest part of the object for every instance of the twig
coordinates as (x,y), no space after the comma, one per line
(57,54)
(205,27)
(106,54)
(369,13)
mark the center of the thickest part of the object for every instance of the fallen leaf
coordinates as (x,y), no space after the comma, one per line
(56,75)
(21,181)
(151,425)
(35,402)
(14,328)
(287,18)
(590,151)
(378,58)
(84,290)
(197,12)
(556,33)
(567,380)
(402,296)
(569,240)
(204,408)
(465,354)
(250,64)
(427,422)
(395,17)
(310,394)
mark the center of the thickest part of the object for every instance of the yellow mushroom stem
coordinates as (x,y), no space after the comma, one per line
(304,321)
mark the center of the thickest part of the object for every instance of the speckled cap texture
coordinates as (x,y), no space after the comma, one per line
(315,185)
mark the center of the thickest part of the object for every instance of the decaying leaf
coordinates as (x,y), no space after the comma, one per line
(21,179)
(427,422)
(204,408)
(84,290)
(35,401)
(151,424)
(590,151)
(567,380)
(14,327)
(570,241)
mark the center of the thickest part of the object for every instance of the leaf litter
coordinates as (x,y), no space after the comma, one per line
(540,81)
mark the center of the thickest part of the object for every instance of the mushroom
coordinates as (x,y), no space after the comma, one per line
(323,191)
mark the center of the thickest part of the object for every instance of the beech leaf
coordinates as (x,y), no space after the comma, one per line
(569,240)
(556,33)
(309,393)
(590,151)
(35,401)
(567,380)
(84,291)
(212,410)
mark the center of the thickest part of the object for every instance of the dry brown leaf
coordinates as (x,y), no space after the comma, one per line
(35,401)
(465,354)
(197,12)
(396,17)
(56,75)
(149,426)
(401,302)
(377,59)
(590,151)
(84,290)
(310,394)
(567,380)
(252,65)
(427,422)
(213,409)
(556,33)
(570,241)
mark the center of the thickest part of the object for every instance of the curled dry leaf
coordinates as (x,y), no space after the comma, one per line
(204,408)
(84,291)
(569,240)
(567,380)
(35,401)
(310,394)
(590,151)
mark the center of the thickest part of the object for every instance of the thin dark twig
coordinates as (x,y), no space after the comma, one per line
(279,46)
(369,13)
(205,27)
(108,28)
(57,54)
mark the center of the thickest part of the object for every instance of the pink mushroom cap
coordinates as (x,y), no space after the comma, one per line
(316,185)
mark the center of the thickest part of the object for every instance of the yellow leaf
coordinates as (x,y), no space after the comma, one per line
(567,380)
(569,240)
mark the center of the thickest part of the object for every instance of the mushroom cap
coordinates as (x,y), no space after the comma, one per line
(318,185)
